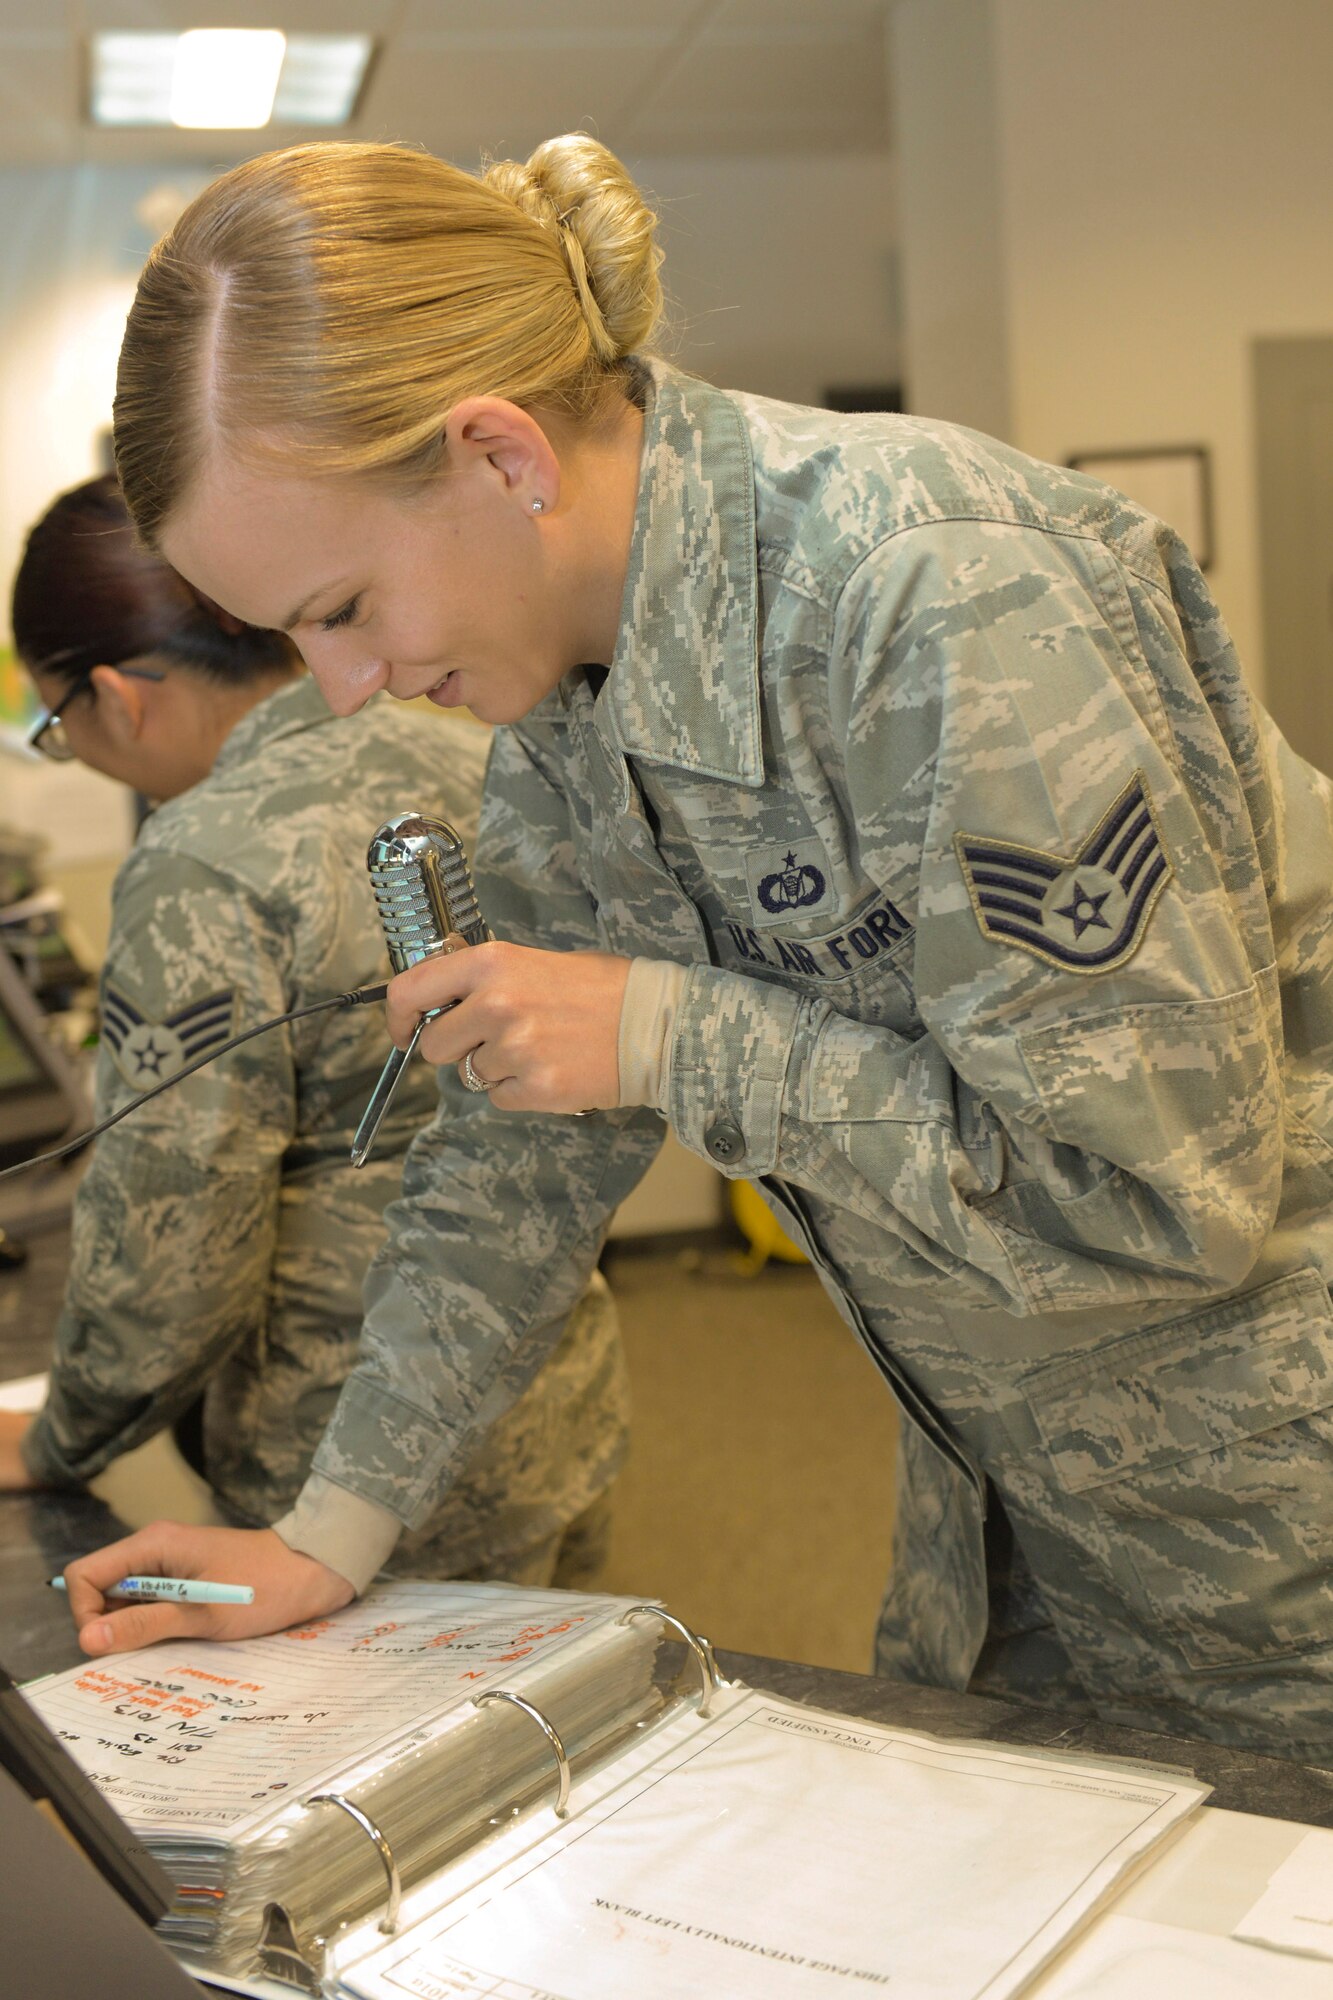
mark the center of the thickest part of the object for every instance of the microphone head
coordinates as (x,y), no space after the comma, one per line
(423,887)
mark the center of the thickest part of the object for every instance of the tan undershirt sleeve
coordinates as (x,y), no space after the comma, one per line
(647,1014)
(353,1536)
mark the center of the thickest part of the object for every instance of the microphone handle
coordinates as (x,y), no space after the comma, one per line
(423,891)
(373,1115)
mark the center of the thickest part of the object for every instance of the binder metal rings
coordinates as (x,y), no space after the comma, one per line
(700,1647)
(389,1921)
(548,1730)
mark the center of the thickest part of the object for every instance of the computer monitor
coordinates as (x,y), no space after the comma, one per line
(77,1923)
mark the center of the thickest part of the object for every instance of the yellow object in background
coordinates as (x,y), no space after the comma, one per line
(762,1232)
(19,706)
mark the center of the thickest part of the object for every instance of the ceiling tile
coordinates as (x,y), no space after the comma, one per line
(165,146)
(778,95)
(467,76)
(573,19)
(474,101)
(23,18)
(334,17)
(39,89)
(826,19)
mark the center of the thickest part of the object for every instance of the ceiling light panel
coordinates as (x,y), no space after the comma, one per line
(130,79)
(225,79)
(321,79)
(156,80)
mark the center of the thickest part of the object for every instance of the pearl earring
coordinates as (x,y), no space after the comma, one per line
(539,506)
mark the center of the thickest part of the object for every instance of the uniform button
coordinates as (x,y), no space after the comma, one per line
(725,1141)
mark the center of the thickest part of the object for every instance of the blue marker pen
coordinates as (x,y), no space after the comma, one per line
(180,1589)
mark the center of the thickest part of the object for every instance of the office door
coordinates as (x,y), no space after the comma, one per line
(1294,428)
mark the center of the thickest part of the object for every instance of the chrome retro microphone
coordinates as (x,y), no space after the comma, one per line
(423,891)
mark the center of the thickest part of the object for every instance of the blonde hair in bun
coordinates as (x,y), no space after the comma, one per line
(329,305)
(605,231)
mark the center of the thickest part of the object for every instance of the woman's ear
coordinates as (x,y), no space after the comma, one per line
(121,703)
(487,429)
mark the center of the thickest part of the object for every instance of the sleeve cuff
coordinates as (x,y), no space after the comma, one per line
(647,1019)
(42,1455)
(733,1042)
(348,1534)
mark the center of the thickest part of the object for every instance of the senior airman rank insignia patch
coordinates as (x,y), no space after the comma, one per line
(148,1052)
(1086,912)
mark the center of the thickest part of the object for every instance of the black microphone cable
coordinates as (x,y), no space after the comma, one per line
(362,996)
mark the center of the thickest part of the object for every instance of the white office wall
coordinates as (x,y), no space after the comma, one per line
(70,248)
(1163,188)
(955,282)
(71,245)
(783,271)
(1170,197)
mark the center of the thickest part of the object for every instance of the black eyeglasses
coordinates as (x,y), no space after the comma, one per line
(47,735)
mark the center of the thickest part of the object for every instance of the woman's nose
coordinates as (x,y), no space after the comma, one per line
(345,679)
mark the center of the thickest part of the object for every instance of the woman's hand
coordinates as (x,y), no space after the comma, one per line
(542,1027)
(14,1474)
(289,1588)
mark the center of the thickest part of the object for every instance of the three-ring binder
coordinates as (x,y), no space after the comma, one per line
(388,1924)
(701,1648)
(283,1956)
(548,1730)
(389,1921)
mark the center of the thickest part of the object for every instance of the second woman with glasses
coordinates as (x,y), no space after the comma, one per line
(220,1236)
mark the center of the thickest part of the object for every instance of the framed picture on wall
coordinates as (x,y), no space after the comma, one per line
(1173,481)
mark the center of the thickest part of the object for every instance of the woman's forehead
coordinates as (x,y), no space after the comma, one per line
(260,540)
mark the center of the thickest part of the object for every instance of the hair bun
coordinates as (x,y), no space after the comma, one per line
(579,190)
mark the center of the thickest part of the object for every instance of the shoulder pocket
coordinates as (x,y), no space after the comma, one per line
(1206,1446)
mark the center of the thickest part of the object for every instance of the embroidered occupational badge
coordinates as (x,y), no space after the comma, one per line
(787,882)
(148,1052)
(1087,913)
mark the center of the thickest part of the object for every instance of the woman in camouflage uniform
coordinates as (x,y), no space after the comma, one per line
(913,847)
(220,1237)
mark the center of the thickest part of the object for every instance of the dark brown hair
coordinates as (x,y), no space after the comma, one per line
(88,594)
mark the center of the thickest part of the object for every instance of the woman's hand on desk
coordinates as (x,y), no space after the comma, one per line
(542,1027)
(14,1474)
(289,1588)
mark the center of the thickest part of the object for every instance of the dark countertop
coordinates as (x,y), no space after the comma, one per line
(40,1533)
(1242,1780)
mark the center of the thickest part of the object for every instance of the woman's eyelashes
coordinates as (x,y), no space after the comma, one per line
(342,616)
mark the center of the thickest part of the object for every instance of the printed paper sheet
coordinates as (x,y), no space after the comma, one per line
(778,1853)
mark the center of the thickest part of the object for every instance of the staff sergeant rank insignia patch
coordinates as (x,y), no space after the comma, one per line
(148,1052)
(1087,913)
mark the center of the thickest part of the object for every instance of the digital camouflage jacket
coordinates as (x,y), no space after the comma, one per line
(221,1237)
(1007,918)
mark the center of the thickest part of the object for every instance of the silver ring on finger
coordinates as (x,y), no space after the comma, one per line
(471,1080)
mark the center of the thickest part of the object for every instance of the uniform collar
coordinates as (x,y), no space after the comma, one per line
(684,683)
(293,708)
